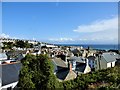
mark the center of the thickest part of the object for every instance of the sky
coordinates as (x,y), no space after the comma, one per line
(61,22)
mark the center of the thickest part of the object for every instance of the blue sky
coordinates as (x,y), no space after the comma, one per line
(75,23)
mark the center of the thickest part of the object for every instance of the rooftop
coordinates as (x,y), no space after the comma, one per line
(10,73)
(59,62)
(110,57)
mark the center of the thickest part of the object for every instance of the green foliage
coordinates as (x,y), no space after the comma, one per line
(37,72)
(23,44)
(108,79)
(8,45)
(18,43)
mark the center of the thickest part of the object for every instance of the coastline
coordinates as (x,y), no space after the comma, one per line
(94,46)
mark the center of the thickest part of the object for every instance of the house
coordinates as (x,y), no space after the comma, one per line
(83,68)
(106,60)
(62,70)
(36,52)
(75,60)
(80,65)
(67,71)
(9,75)
(58,64)
(91,61)
(17,55)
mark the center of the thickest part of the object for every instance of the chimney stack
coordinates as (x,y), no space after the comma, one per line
(70,66)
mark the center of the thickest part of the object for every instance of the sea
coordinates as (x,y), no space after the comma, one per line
(99,47)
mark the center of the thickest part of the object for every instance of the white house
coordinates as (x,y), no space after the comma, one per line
(36,52)
(74,60)
(80,65)
(106,60)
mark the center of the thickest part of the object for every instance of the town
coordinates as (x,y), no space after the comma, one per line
(68,61)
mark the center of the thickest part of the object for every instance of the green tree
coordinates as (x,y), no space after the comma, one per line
(8,45)
(23,44)
(26,74)
(20,43)
(38,70)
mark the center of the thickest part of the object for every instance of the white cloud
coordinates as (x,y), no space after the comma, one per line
(61,39)
(101,25)
(102,31)
(2,35)
(98,32)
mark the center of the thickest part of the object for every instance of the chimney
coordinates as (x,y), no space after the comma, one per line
(70,66)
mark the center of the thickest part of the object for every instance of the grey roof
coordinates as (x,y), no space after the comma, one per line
(61,74)
(66,74)
(77,59)
(15,53)
(91,58)
(109,57)
(10,73)
(3,55)
(80,67)
(75,51)
(59,62)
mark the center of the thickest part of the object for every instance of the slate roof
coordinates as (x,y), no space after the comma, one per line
(75,51)
(59,62)
(10,73)
(15,53)
(80,67)
(77,59)
(61,74)
(91,58)
(66,74)
(109,57)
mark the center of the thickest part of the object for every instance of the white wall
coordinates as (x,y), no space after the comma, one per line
(87,69)
(9,85)
(113,64)
(109,65)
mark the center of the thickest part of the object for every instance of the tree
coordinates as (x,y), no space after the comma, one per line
(7,45)
(38,71)
(23,44)
(25,76)
(20,44)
